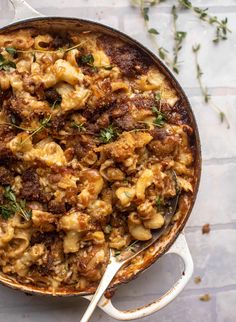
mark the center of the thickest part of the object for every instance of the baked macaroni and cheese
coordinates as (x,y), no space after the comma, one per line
(95,144)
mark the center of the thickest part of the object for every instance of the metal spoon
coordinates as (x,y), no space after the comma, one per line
(116,262)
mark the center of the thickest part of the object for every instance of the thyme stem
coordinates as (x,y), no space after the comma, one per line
(179,37)
(162,52)
(199,74)
(40,128)
(204,90)
(16,126)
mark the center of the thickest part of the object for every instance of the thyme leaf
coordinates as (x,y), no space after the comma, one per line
(222,116)
(153,31)
(154,110)
(158,202)
(12,51)
(163,54)
(6,211)
(221,31)
(6,64)
(107,67)
(145,12)
(108,134)
(159,120)
(160,117)
(87,60)
(157,96)
(14,206)
(117,253)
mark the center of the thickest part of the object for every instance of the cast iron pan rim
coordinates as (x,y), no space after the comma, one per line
(165,70)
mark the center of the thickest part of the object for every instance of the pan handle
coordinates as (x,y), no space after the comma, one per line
(180,248)
(23,10)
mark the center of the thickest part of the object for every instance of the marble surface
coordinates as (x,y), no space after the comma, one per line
(214,255)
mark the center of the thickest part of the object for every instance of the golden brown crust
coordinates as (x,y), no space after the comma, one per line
(130,61)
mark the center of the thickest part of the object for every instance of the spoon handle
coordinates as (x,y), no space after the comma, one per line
(110,272)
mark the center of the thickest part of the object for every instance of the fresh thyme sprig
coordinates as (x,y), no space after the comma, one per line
(160,117)
(204,90)
(80,126)
(222,31)
(179,37)
(89,61)
(14,206)
(108,134)
(199,74)
(222,28)
(153,33)
(43,123)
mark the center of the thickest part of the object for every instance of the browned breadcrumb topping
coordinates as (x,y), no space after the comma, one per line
(197,280)
(206,229)
(95,145)
(205,298)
